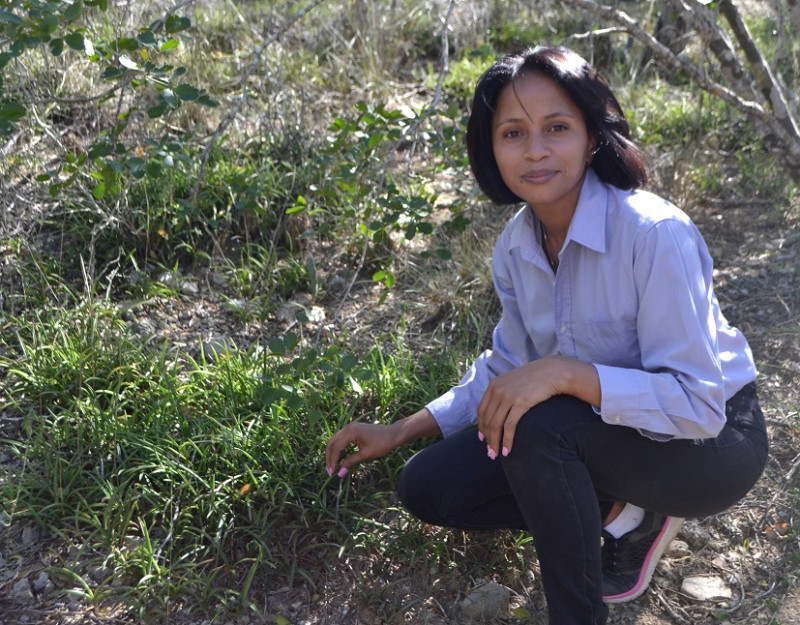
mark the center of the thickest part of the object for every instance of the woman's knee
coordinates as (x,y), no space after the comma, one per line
(416,489)
(553,419)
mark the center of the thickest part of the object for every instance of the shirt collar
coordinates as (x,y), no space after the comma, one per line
(588,226)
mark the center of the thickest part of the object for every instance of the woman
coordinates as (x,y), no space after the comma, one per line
(616,399)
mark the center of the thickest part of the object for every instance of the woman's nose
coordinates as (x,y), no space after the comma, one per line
(536,147)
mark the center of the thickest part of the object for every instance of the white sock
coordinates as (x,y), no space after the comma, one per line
(629,519)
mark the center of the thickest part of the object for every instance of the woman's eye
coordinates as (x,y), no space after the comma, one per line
(511,134)
(558,127)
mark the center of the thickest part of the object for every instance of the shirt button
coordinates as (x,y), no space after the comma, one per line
(617,419)
(563,329)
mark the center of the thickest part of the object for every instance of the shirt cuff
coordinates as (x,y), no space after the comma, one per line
(450,414)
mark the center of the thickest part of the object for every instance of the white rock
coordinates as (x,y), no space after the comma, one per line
(706,588)
(316,314)
(485,601)
(189,287)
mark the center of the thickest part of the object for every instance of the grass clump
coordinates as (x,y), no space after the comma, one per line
(178,475)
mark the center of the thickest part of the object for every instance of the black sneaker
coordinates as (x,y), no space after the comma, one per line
(629,561)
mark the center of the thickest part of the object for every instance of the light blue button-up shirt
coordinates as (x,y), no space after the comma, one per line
(633,296)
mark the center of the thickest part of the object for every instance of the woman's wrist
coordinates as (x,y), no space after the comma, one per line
(421,424)
(579,379)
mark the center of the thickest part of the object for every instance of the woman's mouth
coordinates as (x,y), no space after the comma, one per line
(539,176)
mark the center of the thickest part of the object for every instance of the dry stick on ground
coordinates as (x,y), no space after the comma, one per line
(410,131)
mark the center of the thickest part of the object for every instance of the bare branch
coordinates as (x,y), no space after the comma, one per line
(767,103)
(668,58)
(703,20)
(767,82)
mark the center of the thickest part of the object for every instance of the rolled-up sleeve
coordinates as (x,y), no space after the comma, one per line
(679,390)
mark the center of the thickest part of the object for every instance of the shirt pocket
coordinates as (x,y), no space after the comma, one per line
(613,343)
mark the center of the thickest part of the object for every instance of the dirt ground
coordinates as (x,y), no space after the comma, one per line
(752,548)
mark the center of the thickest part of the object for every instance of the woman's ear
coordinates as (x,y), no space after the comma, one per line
(594,147)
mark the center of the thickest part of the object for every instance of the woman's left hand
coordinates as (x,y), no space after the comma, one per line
(510,395)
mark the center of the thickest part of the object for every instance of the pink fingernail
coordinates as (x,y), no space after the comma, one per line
(491,453)
(343,471)
(330,471)
(505,451)
(481,437)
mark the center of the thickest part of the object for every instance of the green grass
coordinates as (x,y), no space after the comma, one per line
(180,476)
(170,477)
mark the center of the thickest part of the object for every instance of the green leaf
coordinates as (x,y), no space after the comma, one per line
(169,44)
(49,25)
(521,613)
(153,169)
(176,24)
(111,73)
(9,18)
(99,191)
(205,100)
(277,346)
(73,11)
(170,98)
(75,41)
(127,43)
(187,93)
(157,111)
(147,38)
(56,46)
(12,111)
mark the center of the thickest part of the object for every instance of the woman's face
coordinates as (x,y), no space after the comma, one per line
(541,144)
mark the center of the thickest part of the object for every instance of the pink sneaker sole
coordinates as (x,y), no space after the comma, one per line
(660,544)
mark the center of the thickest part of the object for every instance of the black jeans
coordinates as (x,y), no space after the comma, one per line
(566,469)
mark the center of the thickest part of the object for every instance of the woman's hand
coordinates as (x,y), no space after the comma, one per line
(373,440)
(510,395)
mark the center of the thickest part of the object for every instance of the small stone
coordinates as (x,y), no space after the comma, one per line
(145,327)
(678,549)
(315,314)
(486,601)
(167,278)
(189,287)
(706,588)
(98,573)
(287,312)
(29,535)
(42,584)
(21,591)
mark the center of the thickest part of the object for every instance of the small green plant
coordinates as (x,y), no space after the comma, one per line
(169,471)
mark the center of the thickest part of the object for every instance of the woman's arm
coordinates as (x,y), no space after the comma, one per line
(512,394)
(374,440)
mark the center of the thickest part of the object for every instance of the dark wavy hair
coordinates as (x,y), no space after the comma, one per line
(617,161)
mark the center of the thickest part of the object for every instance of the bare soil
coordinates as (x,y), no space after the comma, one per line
(753,547)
